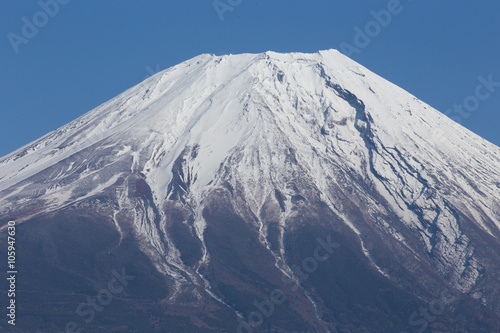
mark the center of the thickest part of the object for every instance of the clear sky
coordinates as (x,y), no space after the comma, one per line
(61,59)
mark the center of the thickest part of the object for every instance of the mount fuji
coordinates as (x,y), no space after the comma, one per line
(256,193)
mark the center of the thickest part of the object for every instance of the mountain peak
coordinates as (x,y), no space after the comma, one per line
(282,146)
(321,102)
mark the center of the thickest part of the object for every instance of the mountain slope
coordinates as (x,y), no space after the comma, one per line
(214,180)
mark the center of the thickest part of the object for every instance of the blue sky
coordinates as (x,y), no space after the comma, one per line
(79,54)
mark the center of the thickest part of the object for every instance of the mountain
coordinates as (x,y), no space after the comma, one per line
(256,193)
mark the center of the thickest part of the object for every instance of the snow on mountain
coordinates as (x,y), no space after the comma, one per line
(306,127)
(220,104)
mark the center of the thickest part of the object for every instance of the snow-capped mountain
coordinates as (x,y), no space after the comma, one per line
(215,180)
